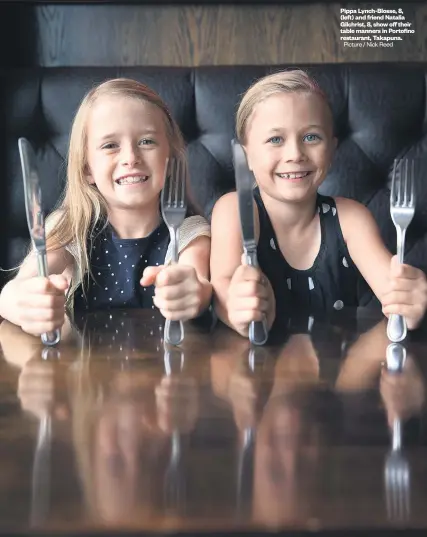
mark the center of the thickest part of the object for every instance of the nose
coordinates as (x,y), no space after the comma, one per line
(130,155)
(293,150)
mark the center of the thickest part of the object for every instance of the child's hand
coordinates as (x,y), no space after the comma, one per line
(178,293)
(407,293)
(40,303)
(250,297)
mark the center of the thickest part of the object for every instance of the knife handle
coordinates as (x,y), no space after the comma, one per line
(258,333)
(50,338)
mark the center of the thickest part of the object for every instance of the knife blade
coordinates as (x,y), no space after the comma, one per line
(258,333)
(35,217)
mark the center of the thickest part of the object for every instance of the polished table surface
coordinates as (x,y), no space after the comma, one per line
(114,432)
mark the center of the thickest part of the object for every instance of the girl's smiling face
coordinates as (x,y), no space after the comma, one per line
(127,148)
(289,144)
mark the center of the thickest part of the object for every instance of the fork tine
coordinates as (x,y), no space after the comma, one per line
(412,195)
(179,185)
(405,185)
(393,183)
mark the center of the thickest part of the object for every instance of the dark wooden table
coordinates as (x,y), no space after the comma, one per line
(112,432)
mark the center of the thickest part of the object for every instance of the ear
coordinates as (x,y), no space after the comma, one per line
(88,175)
(247,157)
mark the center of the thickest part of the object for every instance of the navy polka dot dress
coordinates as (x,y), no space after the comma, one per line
(117,266)
(332,283)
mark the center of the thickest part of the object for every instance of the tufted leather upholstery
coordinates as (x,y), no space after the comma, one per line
(379,112)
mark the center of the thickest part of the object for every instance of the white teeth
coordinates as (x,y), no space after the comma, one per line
(299,175)
(132,180)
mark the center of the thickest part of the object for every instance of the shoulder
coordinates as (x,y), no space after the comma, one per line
(224,204)
(226,210)
(197,225)
(354,217)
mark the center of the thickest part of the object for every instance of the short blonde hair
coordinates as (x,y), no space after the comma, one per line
(289,81)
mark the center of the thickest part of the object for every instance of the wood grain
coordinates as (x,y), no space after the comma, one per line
(191,35)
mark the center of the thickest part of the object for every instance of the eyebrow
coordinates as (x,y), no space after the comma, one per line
(148,130)
(314,125)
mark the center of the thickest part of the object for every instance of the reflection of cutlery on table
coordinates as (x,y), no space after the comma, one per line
(40,493)
(174,483)
(396,357)
(246,453)
(397,470)
(397,475)
(35,218)
(245,465)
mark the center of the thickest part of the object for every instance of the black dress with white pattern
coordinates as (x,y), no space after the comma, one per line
(117,266)
(332,282)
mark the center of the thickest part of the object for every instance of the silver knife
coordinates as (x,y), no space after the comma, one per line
(258,333)
(35,217)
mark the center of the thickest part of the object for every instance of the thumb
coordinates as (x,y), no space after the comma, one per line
(59,281)
(149,275)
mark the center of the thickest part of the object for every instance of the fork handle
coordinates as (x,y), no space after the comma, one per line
(49,338)
(400,250)
(396,328)
(174,332)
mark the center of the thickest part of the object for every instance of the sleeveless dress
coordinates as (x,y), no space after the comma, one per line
(330,284)
(117,265)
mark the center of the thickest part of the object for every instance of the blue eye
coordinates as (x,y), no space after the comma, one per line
(311,138)
(146,141)
(275,140)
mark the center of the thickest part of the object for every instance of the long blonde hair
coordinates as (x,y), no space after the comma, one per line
(289,81)
(82,206)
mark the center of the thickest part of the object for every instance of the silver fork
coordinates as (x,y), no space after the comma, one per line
(174,208)
(402,210)
(397,476)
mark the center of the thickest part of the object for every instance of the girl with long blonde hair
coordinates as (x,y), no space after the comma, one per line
(107,244)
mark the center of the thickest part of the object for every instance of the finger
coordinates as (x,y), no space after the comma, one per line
(254,303)
(174,275)
(410,311)
(398,297)
(40,285)
(401,270)
(176,291)
(42,301)
(59,282)
(249,289)
(39,328)
(248,273)
(245,317)
(149,275)
(42,315)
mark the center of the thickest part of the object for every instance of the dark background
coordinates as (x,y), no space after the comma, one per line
(202,33)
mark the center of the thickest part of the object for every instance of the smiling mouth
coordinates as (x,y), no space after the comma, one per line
(296,175)
(132,180)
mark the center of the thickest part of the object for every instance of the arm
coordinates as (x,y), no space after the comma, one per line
(364,243)
(227,271)
(402,289)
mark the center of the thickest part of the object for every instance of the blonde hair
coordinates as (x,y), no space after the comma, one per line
(289,81)
(82,206)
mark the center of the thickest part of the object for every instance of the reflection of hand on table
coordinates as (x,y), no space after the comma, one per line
(18,347)
(362,364)
(177,399)
(42,389)
(403,393)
